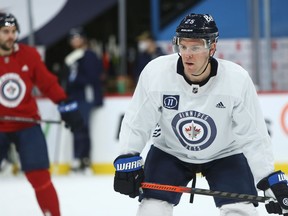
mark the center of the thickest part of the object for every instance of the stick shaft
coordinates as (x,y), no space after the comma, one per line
(180,189)
(27,120)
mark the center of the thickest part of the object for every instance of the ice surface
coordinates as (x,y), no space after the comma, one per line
(91,195)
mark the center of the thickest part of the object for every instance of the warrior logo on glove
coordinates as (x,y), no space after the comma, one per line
(125,165)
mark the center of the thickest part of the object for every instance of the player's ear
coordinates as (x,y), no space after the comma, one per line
(212,49)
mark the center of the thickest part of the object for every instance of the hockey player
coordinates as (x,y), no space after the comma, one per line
(20,69)
(208,120)
(84,84)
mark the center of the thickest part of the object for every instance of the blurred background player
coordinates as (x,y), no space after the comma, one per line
(147,50)
(83,84)
(21,68)
(208,120)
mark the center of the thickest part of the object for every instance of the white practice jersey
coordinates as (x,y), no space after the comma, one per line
(198,124)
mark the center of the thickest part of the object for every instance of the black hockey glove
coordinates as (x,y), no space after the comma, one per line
(129,174)
(275,186)
(70,114)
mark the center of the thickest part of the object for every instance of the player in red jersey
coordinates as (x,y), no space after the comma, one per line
(21,68)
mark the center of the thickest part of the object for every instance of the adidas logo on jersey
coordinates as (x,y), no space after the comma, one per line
(220,105)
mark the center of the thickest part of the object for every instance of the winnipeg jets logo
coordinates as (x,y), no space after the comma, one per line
(12,90)
(192,130)
(195,131)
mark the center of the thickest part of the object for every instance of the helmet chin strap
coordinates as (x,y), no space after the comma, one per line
(208,61)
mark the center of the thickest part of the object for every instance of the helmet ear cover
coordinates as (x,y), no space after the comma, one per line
(7,19)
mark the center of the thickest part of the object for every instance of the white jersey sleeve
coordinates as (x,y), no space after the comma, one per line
(252,133)
(140,118)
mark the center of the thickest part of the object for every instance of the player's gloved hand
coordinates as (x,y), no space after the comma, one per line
(70,114)
(129,174)
(275,186)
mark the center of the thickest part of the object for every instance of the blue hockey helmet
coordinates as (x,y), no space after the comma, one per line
(200,26)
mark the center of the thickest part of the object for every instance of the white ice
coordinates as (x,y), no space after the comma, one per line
(92,195)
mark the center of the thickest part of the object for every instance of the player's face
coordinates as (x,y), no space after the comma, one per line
(195,55)
(8,36)
(76,42)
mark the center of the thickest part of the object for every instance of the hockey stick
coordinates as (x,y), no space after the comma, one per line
(180,189)
(28,120)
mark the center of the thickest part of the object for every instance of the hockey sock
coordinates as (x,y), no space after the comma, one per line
(45,192)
